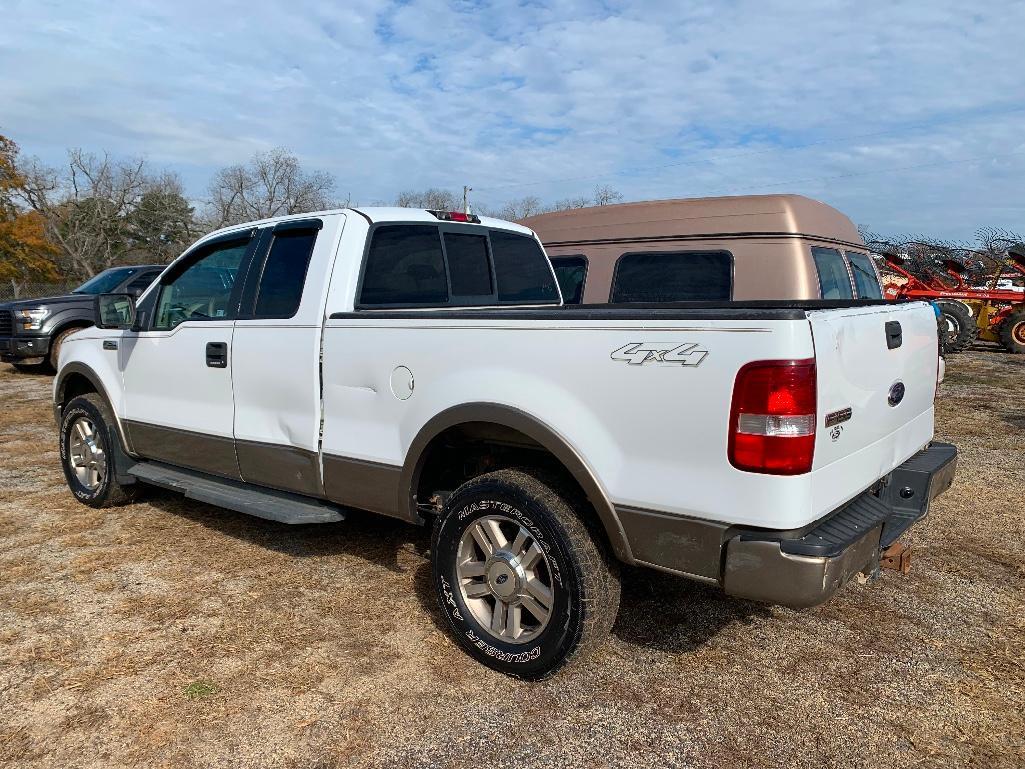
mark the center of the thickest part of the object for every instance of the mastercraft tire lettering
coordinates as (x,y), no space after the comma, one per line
(523,585)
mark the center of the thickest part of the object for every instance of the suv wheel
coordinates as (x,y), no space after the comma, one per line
(87,430)
(523,585)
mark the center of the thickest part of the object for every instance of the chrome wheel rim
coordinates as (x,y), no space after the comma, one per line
(86,457)
(505,579)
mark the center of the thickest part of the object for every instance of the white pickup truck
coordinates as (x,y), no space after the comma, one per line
(420,364)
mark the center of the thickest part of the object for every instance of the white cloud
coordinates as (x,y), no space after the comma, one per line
(741,95)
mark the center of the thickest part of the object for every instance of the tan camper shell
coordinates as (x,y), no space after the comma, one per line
(707,249)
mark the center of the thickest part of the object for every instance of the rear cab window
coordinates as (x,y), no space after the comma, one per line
(673,276)
(571,272)
(427,265)
(834,280)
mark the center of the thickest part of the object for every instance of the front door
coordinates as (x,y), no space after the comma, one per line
(177,372)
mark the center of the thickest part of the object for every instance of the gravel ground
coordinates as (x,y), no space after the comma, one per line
(169,633)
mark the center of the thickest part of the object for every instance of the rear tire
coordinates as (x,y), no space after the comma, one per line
(1012,332)
(961,330)
(523,585)
(87,432)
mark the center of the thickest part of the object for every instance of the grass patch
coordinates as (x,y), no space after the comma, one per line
(200,690)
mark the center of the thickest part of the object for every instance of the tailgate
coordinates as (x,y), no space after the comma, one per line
(881,363)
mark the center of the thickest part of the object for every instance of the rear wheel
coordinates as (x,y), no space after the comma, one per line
(1012,332)
(959,325)
(523,585)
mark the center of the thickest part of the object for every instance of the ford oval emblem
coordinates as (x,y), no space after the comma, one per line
(896,394)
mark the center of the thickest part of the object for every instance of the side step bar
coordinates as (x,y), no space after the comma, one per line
(235,495)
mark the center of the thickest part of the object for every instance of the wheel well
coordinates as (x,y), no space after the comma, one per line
(467,450)
(75,384)
(71,325)
(77,323)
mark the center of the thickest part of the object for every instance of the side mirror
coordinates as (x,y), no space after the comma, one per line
(115,311)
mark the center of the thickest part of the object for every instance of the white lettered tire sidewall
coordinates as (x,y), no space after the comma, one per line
(109,492)
(545,653)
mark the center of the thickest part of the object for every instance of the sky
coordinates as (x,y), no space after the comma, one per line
(907,116)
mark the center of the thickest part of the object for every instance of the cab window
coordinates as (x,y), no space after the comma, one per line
(203,290)
(834,280)
(284,274)
(522,270)
(405,266)
(141,282)
(865,280)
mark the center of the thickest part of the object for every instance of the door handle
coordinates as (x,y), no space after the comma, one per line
(894,335)
(217,354)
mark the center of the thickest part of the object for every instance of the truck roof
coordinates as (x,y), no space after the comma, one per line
(734,215)
(376,215)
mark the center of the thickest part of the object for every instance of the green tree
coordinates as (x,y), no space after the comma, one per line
(163,223)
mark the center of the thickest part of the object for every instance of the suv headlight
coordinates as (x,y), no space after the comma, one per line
(32,320)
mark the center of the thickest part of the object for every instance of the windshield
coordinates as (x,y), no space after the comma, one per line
(106,281)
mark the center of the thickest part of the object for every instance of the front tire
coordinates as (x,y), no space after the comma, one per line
(32,368)
(961,330)
(86,435)
(523,585)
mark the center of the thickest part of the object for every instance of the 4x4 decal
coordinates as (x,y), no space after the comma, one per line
(637,353)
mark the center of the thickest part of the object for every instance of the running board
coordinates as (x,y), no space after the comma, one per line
(235,495)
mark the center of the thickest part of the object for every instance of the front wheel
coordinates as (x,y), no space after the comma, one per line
(521,581)
(86,435)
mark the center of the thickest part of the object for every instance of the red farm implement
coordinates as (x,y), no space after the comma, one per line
(980,292)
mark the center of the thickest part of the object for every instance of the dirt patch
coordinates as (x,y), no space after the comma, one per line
(169,633)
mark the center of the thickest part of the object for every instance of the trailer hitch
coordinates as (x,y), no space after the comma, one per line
(896,557)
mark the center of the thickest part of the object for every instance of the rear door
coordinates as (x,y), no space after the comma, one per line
(275,363)
(876,383)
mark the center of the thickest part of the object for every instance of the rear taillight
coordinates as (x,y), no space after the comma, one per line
(772,419)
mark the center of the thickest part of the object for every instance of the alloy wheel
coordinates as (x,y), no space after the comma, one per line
(505,579)
(86,456)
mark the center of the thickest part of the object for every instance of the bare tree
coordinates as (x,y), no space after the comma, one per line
(568,203)
(86,207)
(521,208)
(605,195)
(270,184)
(432,198)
